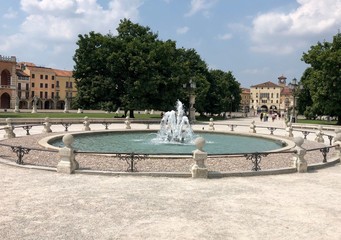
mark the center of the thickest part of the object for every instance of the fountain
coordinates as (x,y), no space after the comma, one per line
(175,127)
(174,136)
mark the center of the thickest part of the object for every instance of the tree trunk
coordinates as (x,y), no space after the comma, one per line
(131,113)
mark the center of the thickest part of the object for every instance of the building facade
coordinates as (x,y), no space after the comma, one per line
(8,82)
(271,97)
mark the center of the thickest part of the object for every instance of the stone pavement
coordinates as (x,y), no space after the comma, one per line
(45,205)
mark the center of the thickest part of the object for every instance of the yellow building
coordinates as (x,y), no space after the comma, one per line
(65,87)
(245,100)
(50,86)
(265,97)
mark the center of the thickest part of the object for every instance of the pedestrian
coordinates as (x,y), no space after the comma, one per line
(261,117)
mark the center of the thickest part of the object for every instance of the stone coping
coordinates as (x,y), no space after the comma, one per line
(211,174)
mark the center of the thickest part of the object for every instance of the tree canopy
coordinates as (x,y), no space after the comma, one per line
(137,70)
(322,80)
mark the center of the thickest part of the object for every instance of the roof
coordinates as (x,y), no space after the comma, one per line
(286,91)
(245,90)
(63,73)
(20,73)
(267,84)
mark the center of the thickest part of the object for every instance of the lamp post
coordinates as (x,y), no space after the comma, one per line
(191,86)
(294,85)
(232,99)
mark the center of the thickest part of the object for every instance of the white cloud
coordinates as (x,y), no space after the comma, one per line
(200,6)
(10,14)
(50,23)
(182,30)
(224,37)
(283,33)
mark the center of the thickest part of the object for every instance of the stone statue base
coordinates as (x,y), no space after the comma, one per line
(198,172)
(16,109)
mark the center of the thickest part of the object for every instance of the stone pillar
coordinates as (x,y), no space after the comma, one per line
(289,130)
(9,129)
(337,144)
(127,123)
(199,170)
(67,163)
(211,125)
(86,124)
(252,127)
(47,125)
(319,135)
(80,110)
(298,160)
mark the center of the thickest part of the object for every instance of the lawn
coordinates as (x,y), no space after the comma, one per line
(73,115)
(319,122)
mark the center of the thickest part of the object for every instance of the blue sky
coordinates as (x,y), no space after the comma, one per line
(258,40)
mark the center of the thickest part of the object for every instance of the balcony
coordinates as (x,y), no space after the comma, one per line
(7,87)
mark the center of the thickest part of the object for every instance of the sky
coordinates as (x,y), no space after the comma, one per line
(257,40)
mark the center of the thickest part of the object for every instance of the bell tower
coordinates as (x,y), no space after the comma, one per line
(282,81)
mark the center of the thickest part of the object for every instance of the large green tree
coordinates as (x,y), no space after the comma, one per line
(323,79)
(136,70)
(224,92)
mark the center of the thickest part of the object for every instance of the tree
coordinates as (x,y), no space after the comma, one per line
(323,80)
(224,92)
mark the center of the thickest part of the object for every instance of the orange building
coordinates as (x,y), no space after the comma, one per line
(8,82)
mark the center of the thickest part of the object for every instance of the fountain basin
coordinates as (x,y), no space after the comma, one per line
(143,142)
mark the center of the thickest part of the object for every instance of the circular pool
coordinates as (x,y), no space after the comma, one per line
(145,143)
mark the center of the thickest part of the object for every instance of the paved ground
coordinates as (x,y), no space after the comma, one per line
(46,205)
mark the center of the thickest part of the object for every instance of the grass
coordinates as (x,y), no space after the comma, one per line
(319,122)
(73,115)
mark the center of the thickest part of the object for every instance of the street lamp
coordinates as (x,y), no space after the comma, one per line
(232,99)
(294,86)
(191,86)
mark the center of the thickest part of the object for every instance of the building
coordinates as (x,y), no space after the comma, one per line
(50,86)
(265,97)
(8,82)
(271,97)
(245,100)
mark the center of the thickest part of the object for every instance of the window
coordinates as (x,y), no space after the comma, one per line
(46,77)
(27,95)
(46,85)
(57,94)
(19,86)
(32,94)
(33,84)
(67,84)
(41,94)
(19,94)
(41,76)
(52,85)
(33,75)
(264,95)
(41,85)
(52,95)
(27,86)
(277,95)
(45,95)
(70,84)
(272,95)
(52,77)
(57,84)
